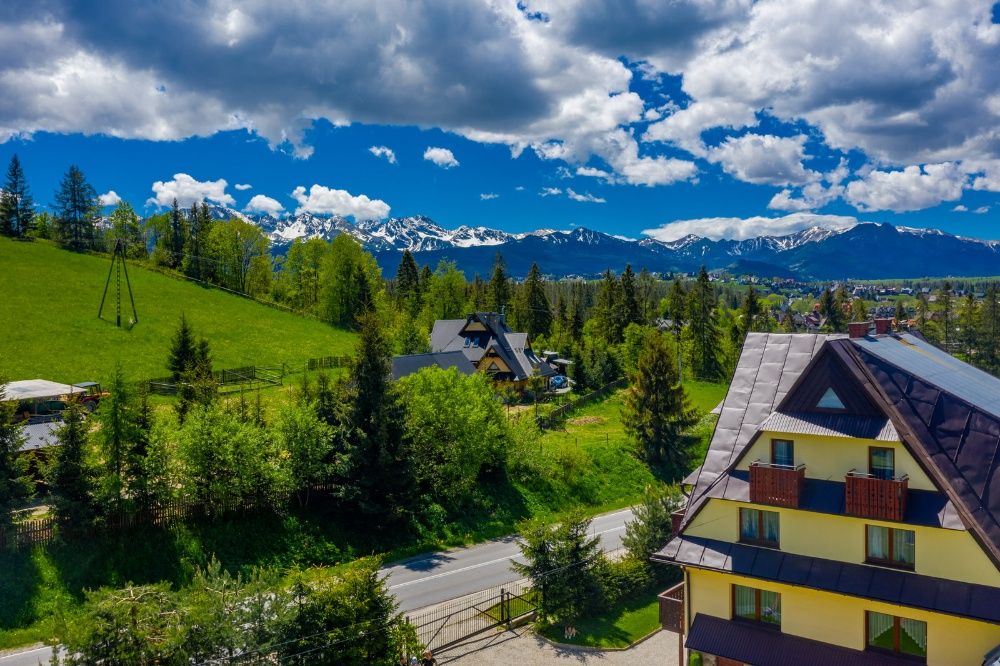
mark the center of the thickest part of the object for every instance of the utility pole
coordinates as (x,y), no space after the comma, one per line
(118,267)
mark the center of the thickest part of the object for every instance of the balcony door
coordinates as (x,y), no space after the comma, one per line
(882,462)
(783,452)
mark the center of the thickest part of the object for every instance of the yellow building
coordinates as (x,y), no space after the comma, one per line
(847,511)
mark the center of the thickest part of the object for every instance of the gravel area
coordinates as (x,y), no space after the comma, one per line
(522,647)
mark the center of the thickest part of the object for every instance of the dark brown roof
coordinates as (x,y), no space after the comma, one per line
(978,602)
(948,414)
(761,646)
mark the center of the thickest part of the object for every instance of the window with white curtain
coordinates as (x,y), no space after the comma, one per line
(756,605)
(899,635)
(760,528)
(890,546)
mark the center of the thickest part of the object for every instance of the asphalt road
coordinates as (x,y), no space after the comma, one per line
(431,578)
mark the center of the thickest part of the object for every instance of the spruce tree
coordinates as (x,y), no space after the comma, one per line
(76,208)
(425,280)
(69,477)
(17,210)
(178,234)
(703,329)
(676,307)
(900,315)
(499,288)
(15,483)
(651,525)
(830,308)
(656,411)
(182,350)
(536,313)
(609,310)
(117,437)
(379,475)
(750,312)
(407,278)
(631,308)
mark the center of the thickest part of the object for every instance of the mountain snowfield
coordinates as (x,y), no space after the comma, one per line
(867,250)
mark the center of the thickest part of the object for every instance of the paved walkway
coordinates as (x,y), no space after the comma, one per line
(522,647)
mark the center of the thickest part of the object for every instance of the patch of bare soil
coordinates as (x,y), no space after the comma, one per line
(587,420)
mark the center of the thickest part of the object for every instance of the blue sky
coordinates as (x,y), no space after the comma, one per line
(714,117)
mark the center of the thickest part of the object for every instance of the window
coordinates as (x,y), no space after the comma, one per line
(759,527)
(890,546)
(896,634)
(830,400)
(881,462)
(783,452)
(756,605)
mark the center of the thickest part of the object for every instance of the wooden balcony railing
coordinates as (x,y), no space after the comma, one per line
(672,609)
(866,496)
(778,485)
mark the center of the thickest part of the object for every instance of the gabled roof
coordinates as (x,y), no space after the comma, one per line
(449,335)
(769,365)
(831,425)
(945,412)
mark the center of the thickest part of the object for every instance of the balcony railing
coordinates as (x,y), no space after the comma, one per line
(672,609)
(867,496)
(778,485)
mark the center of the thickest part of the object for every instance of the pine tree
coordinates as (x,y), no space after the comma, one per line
(69,477)
(651,525)
(575,318)
(676,307)
(477,294)
(631,309)
(425,280)
(178,234)
(609,310)
(703,329)
(656,410)
(408,284)
(750,312)
(499,285)
(126,228)
(859,311)
(76,208)
(17,210)
(118,437)
(535,313)
(15,483)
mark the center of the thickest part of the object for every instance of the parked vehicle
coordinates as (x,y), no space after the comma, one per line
(92,395)
(559,381)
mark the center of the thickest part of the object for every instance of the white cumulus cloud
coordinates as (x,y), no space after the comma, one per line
(242,186)
(189,191)
(264,204)
(739,228)
(913,188)
(982,210)
(443,157)
(550,191)
(384,152)
(322,200)
(960,209)
(764,159)
(486,196)
(109,198)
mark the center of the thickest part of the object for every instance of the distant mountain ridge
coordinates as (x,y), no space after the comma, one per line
(865,251)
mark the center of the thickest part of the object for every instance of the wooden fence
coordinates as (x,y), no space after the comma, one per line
(553,417)
(229,380)
(328,362)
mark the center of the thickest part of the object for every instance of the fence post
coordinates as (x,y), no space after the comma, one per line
(504,609)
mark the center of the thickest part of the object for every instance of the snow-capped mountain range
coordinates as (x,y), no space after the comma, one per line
(866,250)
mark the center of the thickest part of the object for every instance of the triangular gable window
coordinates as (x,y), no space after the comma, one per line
(830,400)
(493,368)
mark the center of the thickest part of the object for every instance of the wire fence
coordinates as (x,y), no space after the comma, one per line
(549,420)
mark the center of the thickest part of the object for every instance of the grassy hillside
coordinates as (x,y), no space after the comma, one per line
(50,328)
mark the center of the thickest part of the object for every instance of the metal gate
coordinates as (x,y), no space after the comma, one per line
(451,622)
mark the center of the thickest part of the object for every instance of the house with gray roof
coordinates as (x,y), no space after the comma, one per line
(485,339)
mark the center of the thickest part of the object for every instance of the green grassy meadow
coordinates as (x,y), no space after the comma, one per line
(51,330)
(629,620)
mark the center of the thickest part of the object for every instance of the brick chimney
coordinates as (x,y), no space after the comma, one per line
(858,329)
(883,326)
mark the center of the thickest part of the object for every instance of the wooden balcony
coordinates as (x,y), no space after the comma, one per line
(672,609)
(777,485)
(866,496)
